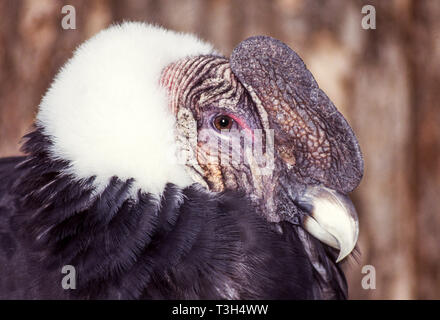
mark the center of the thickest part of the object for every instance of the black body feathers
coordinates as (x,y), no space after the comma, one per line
(125,244)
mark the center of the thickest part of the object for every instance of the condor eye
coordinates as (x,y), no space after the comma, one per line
(223,122)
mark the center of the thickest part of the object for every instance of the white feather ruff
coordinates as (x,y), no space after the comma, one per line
(106,112)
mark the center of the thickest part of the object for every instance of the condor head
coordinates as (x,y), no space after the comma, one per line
(259,123)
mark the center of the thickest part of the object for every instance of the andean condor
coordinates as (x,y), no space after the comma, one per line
(159,169)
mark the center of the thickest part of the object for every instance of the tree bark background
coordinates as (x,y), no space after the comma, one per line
(385,81)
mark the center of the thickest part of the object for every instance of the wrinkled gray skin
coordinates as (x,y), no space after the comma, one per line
(266,86)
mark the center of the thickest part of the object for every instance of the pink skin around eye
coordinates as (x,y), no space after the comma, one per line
(242,124)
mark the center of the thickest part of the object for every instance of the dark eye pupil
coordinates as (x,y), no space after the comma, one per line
(223,122)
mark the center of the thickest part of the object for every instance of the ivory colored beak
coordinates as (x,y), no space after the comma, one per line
(331,218)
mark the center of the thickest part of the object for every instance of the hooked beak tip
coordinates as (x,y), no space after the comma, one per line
(331,218)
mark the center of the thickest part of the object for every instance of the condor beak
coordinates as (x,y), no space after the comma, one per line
(331,218)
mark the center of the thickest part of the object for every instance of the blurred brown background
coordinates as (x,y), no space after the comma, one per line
(385,81)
